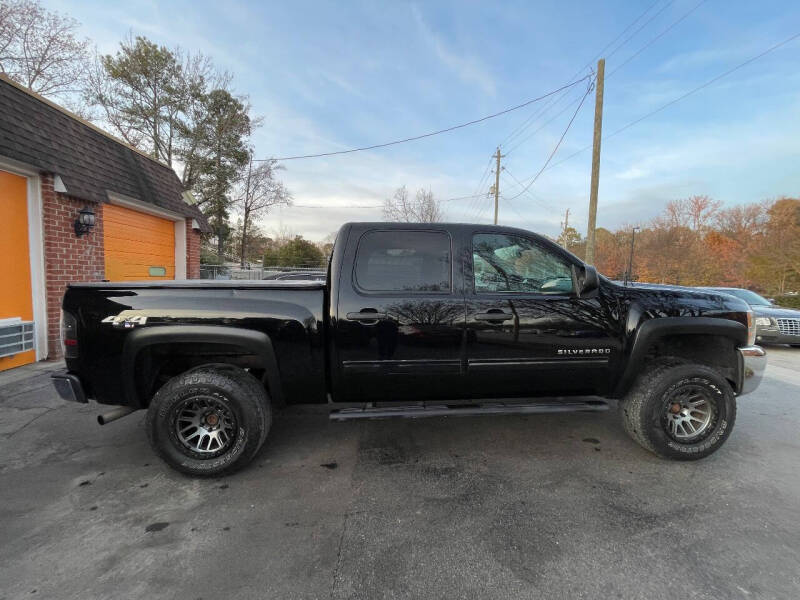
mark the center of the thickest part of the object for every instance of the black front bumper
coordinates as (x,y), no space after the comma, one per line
(69,387)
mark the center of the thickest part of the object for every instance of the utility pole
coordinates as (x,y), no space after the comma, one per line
(562,239)
(598,132)
(629,273)
(498,156)
(246,203)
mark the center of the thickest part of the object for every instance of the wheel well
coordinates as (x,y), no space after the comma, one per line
(715,351)
(158,363)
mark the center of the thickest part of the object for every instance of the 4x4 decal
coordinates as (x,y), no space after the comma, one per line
(123,320)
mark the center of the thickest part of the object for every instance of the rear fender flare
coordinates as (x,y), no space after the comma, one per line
(251,342)
(652,330)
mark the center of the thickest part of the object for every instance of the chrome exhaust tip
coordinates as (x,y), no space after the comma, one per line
(115,414)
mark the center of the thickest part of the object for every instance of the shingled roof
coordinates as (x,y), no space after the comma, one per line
(89,161)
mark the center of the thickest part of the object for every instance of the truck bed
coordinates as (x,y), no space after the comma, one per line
(113,316)
(204,283)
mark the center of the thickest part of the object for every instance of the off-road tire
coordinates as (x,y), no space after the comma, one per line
(643,409)
(238,391)
(255,386)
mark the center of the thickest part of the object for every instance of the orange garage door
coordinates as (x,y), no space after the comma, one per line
(137,246)
(15,297)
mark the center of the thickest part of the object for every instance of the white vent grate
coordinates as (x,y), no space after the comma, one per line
(16,337)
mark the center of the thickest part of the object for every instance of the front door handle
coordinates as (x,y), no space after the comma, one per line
(493,316)
(366,315)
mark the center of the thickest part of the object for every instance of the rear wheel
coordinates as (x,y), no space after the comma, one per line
(680,411)
(209,421)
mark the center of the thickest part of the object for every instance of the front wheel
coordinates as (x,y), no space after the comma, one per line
(680,411)
(209,421)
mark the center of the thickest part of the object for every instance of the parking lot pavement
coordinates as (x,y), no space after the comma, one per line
(556,506)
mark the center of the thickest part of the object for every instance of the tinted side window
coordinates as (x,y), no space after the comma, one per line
(407,261)
(509,263)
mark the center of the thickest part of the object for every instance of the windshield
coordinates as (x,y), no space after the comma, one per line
(751,298)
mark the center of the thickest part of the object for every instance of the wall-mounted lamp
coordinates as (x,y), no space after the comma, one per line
(85,221)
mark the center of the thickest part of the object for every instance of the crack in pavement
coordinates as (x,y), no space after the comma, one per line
(27,390)
(33,420)
(335,581)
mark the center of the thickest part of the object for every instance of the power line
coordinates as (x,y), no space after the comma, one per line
(370,205)
(554,101)
(475,206)
(645,24)
(658,37)
(432,133)
(513,206)
(561,139)
(529,121)
(679,98)
(481,181)
(461,198)
(543,125)
(479,189)
(623,32)
(528,193)
(329,206)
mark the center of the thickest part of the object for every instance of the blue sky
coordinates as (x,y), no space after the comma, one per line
(328,76)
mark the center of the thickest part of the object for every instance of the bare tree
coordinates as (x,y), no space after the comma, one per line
(258,192)
(40,48)
(422,208)
(694,212)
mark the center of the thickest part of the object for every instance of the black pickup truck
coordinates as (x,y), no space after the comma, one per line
(413,320)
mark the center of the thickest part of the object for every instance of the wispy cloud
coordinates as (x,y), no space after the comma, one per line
(633,173)
(703,58)
(467,68)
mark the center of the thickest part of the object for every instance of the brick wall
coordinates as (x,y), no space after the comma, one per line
(67,258)
(192,251)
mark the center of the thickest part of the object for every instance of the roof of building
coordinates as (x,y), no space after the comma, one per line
(90,161)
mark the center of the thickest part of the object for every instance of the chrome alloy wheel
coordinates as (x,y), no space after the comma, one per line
(205,424)
(690,413)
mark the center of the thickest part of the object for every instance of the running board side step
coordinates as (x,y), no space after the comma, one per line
(422,410)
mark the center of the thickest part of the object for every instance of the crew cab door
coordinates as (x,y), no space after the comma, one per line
(400,318)
(528,333)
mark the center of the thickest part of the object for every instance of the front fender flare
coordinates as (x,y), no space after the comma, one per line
(649,332)
(251,342)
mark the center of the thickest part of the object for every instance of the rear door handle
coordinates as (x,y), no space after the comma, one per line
(366,316)
(493,316)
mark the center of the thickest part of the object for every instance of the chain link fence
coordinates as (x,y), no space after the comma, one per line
(236,272)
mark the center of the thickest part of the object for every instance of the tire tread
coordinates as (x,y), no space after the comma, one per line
(241,383)
(633,408)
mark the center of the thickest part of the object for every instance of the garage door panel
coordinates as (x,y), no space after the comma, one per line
(139,273)
(16,300)
(147,255)
(135,242)
(148,228)
(134,247)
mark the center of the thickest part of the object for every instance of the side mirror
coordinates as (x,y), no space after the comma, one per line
(587,281)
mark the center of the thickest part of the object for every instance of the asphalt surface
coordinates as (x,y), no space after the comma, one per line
(543,506)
